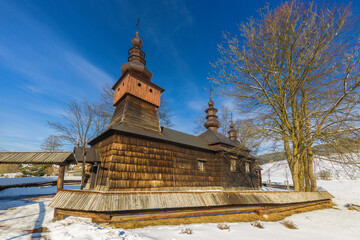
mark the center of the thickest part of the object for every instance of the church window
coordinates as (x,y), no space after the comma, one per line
(247,167)
(118,89)
(233,165)
(201,165)
(150,90)
(139,84)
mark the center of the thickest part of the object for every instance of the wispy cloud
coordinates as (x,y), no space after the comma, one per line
(181,11)
(86,70)
(197,105)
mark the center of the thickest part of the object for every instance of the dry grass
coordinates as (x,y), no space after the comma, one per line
(223,226)
(257,224)
(242,217)
(289,224)
(186,231)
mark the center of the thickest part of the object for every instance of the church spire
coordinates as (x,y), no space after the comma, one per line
(211,119)
(136,60)
(135,53)
(232,132)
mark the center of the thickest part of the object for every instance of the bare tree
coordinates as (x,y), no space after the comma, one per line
(164,113)
(82,121)
(51,144)
(247,135)
(106,101)
(296,70)
(199,121)
(225,119)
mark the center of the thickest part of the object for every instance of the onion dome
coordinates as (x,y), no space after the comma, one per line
(136,60)
(211,118)
(232,132)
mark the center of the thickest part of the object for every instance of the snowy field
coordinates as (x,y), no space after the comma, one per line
(19,217)
(279,171)
(24,180)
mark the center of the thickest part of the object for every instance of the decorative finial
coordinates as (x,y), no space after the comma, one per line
(211,92)
(137,27)
(211,119)
(232,132)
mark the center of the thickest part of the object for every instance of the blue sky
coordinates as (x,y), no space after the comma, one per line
(55,51)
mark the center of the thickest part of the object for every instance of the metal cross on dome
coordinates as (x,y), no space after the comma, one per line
(137,24)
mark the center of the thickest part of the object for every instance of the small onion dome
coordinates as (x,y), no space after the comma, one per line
(211,123)
(232,132)
(136,41)
(136,60)
(211,103)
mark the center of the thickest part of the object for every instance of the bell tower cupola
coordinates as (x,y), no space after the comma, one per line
(232,132)
(211,118)
(136,98)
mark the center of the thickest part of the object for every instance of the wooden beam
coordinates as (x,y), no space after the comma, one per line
(58,215)
(60,181)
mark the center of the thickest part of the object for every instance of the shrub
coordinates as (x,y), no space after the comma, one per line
(257,224)
(186,231)
(223,226)
(289,224)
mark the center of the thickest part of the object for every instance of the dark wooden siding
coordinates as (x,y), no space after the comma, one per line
(133,163)
(136,112)
(233,179)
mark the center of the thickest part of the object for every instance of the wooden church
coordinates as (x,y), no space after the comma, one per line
(139,154)
(139,166)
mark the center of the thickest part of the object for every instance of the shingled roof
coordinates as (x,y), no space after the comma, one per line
(212,137)
(169,135)
(37,157)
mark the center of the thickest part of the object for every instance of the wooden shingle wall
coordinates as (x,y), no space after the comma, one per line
(233,179)
(136,113)
(131,163)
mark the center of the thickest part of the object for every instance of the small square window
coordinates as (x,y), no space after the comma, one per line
(201,166)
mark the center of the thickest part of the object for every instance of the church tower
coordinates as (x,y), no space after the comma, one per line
(136,98)
(211,118)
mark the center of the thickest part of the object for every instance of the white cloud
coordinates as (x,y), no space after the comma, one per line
(197,105)
(87,70)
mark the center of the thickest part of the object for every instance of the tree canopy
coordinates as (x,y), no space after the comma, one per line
(295,70)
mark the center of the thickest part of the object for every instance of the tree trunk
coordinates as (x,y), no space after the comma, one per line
(311,170)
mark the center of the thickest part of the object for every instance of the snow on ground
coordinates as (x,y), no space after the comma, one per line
(26,214)
(23,180)
(279,172)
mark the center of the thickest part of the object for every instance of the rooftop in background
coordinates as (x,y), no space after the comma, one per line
(37,158)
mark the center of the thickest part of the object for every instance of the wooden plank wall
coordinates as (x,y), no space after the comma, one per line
(136,112)
(138,87)
(239,177)
(132,163)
